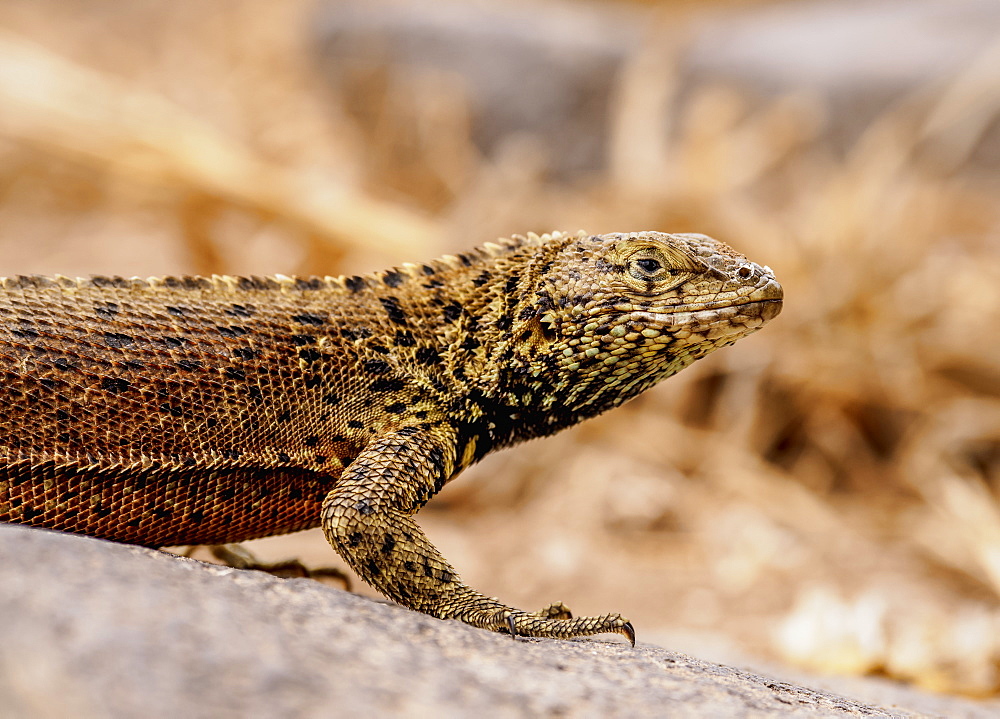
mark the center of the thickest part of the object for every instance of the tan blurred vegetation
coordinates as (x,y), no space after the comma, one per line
(825,492)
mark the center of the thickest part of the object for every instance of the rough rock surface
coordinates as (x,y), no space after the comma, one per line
(95,629)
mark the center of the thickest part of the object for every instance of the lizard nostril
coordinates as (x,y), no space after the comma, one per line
(744,271)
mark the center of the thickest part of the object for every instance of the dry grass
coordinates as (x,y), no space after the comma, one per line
(826,491)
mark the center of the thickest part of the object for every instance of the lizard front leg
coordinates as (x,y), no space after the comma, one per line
(368,518)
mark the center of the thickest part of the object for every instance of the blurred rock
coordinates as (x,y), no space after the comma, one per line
(860,58)
(549,70)
(546,70)
(95,629)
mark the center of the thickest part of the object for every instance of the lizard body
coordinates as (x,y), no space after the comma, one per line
(210,410)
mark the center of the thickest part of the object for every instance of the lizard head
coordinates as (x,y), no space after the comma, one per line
(610,315)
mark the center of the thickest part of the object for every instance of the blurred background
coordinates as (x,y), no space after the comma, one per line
(825,493)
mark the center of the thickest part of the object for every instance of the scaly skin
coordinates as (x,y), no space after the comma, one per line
(204,411)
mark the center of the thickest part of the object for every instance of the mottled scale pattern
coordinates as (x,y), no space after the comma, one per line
(209,410)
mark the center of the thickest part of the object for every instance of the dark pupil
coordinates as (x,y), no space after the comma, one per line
(648,266)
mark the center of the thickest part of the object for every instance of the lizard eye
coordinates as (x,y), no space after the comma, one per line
(650,267)
(646,268)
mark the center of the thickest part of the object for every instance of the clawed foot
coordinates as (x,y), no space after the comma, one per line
(239,557)
(556,621)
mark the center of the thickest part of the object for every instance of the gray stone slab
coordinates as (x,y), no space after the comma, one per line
(95,629)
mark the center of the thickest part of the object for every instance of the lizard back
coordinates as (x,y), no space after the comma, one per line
(207,410)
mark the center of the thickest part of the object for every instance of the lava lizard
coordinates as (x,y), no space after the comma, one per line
(206,410)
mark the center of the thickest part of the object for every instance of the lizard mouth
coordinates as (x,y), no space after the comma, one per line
(767,310)
(765,302)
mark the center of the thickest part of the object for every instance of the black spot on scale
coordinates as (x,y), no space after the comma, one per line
(387,385)
(354,539)
(511,284)
(404,338)
(311,441)
(482,279)
(373,568)
(172,410)
(233,331)
(355,284)
(257,283)
(436,456)
(408,431)
(313,381)
(189,364)
(452,312)
(116,339)
(240,311)
(106,311)
(356,333)
(310,355)
(364,508)
(375,366)
(388,544)
(331,399)
(428,270)
(196,283)
(309,318)
(245,353)
(355,424)
(504,322)
(235,373)
(62,363)
(100,281)
(285,416)
(393,278)
(25,332)
(310,283)
(284,458)
(465,259)
(392,308)
(176,311)
(49,383)
(301,340)
(395,408)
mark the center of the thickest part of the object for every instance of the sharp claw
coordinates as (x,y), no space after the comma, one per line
(629,631)
(510,626)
